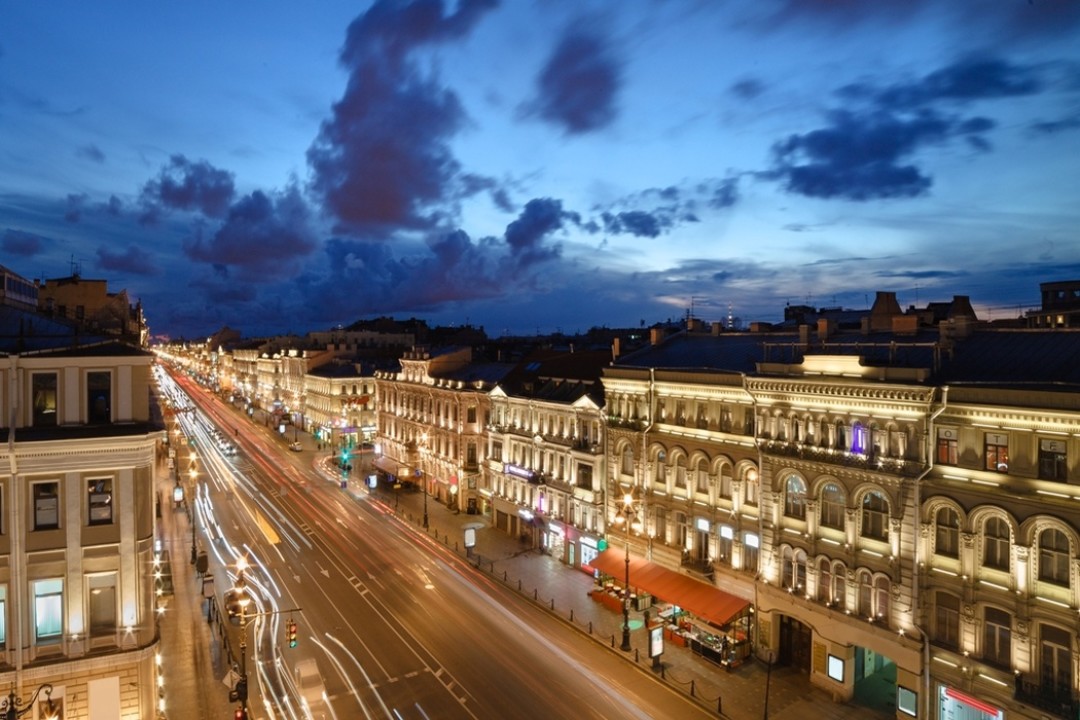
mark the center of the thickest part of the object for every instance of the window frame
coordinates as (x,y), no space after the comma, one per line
(1053,460)
(1054,560)
(948,447)
(947,536)
(830,507)
(1002,545)
(39,503)
(872,517)
(996,452)
(997,637)
(44,596)
(40,416)
(98,416)
(795,497)
(96,489)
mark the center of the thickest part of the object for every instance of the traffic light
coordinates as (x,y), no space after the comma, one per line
(290,631)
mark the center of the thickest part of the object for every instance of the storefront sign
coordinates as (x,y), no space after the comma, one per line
(518,471)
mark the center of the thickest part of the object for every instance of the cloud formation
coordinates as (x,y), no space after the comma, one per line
(132,260)
(382,160)
(577,88)
(188,186)
(263,237)
(870,149)
(22,243)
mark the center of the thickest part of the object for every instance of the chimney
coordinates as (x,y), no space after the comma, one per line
(884,309)
(825,328)
(804,337)
(656,335)
(616,348)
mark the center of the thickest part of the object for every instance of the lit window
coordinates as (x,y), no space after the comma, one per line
(46,506)
(997,452)
(795,498)
(99,501)
(947,537)
(947,447)
(832,507)
(875,516)
(102,603)
(44,399)
(48,610)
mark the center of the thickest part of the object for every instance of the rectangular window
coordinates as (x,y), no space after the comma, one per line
(48,610)
(98,398)
(997,637)
(947,620)
(99,501)
(751,548)
(947,448)
(46,505)
(997,452)
(470,414)
(584,476)
(43,389)
(496,452)
(1052,465)
(101,590)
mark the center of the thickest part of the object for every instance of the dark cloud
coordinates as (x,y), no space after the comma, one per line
(635,222)
(748,88)
(188,186)
(263,237)
(92,153)
(133,260)
(382,160)
(22,243)
(577,88)
(471,184)
(921,274)
(76,203)
(113,206)
(525,235)
(1052,127)
(723,193)
(965,81)
(867,151)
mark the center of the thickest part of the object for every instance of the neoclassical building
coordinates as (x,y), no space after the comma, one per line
(898,505)
(77,523)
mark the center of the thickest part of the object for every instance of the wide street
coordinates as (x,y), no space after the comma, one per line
(398,625)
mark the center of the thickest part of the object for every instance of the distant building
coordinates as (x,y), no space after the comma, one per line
(1060,305)
(93,309)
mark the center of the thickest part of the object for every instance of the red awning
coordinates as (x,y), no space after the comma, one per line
(698,598)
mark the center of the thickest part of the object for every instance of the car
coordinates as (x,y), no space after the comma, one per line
(309,685)
(296,446)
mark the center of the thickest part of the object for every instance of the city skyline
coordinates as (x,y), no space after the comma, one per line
(540,167)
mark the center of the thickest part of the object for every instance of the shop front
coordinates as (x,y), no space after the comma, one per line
(713,623)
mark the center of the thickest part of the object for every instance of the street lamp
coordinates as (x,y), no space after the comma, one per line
(628,516)
(12,709)
(243,600)
(423,480)
(194,473)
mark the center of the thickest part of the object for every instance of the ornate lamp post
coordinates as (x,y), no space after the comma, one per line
(627,517)
(243,599)
(194,473)
(11,707)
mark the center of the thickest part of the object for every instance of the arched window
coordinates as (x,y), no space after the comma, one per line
(1054,557)
(680,473)
(660,470)
(725,481)
(875,516)
(794,569)
(750,487)
(701,479)
(795,498)
(832,506)
(997,539)
(881,599)
(627,465)
(825,579)
(787,568)
(947,535)
(800,571)
(839,592)
(866,594)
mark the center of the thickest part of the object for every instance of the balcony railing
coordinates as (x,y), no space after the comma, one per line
(1050,697)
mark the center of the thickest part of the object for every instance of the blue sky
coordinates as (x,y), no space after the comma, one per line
(540,166)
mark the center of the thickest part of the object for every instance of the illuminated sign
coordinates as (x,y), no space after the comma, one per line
(518,471)
(587,541)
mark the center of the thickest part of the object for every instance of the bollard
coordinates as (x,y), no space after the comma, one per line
(691,688)
(455,546)
(553,605)
(635,654)
(613,640)
(571,612)
(590,627)
(519,585)
(536,595)
(719,705)
(505,576)
(663,673)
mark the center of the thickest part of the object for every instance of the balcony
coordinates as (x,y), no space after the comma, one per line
(845,458)
(614,421)
(1049,697)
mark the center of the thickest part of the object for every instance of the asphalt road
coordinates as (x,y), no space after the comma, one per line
(398,626)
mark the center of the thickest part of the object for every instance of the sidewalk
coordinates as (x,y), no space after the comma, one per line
(563,591)
(193,662)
